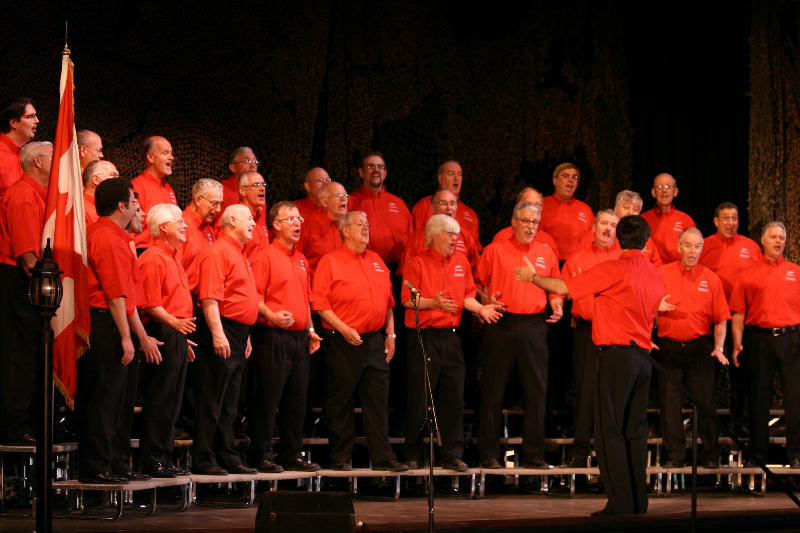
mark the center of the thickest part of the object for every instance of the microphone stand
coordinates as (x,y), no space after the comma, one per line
(697,404)
(430,410)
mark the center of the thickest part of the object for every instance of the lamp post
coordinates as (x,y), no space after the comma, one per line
(45,292)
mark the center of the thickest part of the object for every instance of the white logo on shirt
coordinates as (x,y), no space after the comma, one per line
(467,216)
(678,227)
(461,247)
(393,208)
(745,253)
(540,263)
(703,286)
(378,268)
(458,271)
(790,276)
(582,217)
(302,264)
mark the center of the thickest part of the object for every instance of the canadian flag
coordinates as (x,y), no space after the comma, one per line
(65,226)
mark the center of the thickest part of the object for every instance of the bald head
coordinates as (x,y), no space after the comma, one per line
(157,155)
(314,180)
(90,147)
(97,172)
(531,196)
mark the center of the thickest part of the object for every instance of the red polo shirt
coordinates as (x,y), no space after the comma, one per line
(567,222)
(496,273)
(465,244)
(230,194)
(163,281)
(388,218)
(261,234)
(728,257)
(199,236)
(466,217)
(306,206)
(356,287)
(431,273)
(10,168)
(665,228)
(89,209)
(767,294)
(225,276)
(578,264)
(152,191)
(21,219)
(541,237)
(113,271)
(282,283)
(649,251)
(698,299)
(627,292)
(320,235)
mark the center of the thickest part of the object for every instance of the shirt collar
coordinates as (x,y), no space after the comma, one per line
(518,245)
(282,248)
(166,248)
(559,200)
(42,191)
(439,258)
(352,253)
(668,212)
(727,241)
(5,139)
(150,177)
(368,192)
(119,232)
(768,261)
(233,242)
(192,219)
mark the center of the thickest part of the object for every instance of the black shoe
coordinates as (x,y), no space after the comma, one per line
(210,471)
(26,439)
(392,465)
(574,462)
(413,463)
(456,464)
(298,465)
(158,470)
(133,475)
(673,464)
(241,469)
(178,471)
(491,464)
(105,478)
(342,467)
(601,512)
(712,464)
(182,434)
(794,463)
(268,467)
(537,464)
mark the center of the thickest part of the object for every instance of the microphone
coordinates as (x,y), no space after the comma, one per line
(411,287)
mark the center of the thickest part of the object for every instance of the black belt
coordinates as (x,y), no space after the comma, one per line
(579,320)
(687,343)
(100,310)
(775,332)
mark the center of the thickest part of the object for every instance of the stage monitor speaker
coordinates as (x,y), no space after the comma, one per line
(306,512)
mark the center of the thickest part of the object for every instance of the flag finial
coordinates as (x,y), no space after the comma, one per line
(66,31)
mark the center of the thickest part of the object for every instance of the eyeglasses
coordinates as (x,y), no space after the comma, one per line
(114,175)
(98,150)
(568,176)
(729,219)
(361,224)
(248,162)
(213,204)
(372,166)
(180,222)
(291,219)
(452,234)
(528,221)
(345,195)
(32,116)
(451,203)
(259,185)
(663,187)
(319,180)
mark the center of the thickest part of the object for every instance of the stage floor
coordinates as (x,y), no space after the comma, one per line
(717,511)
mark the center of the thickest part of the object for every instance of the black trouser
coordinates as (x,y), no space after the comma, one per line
(218,399)
(279,366)
(583,354)
(364,369)
(202,337)
(316,394)
(765,354)
(739,386)
(105,399)
(446,370)
(18,324)
(620,421)
(521,339)
(163,393)
(691,363)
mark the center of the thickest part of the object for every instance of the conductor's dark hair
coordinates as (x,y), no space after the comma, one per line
(633,232)
(110,193)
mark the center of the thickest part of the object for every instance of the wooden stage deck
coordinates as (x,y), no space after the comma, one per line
(497,512)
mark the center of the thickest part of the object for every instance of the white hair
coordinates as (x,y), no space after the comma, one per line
(437,225)
(31,150)
(204,184)
(162,214)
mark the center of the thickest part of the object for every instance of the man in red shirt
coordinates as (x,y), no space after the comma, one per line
(320,233)
(353,295)
(443,277)
(314,180)
(531,196)
(564,217)
(630,203)
(727,253)
(242,159)
(230,305)
(253,194)
(764,299)
(283,340)
(21,222)
(90,147)
(583,349)
(450,176)
(519,337)
(95,172)
(695,304)
(388,213)
(18,122)
(151,184)
(105,389)
(627,293)
(163,294)
(666,223)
